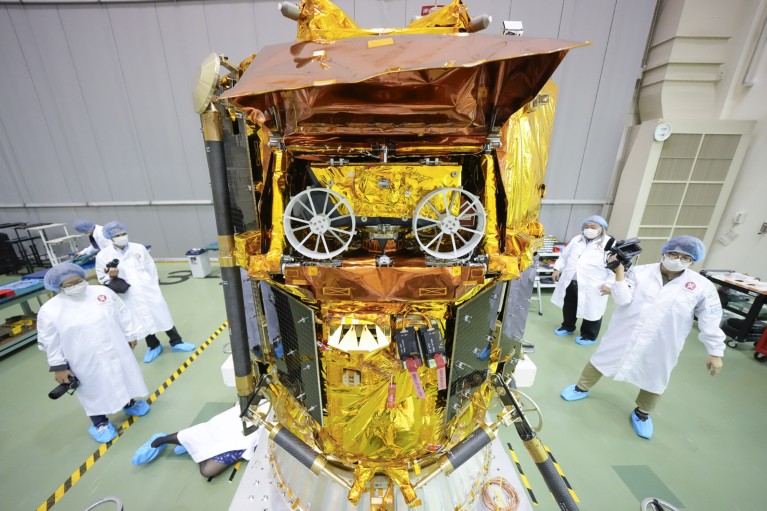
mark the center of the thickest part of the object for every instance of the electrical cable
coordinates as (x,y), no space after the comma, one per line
(499,495)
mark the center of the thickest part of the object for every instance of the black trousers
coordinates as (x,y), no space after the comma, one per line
(589,329)
(98,420)
(173,338)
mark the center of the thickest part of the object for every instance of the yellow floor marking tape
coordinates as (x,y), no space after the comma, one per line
(77,474)
(522,475)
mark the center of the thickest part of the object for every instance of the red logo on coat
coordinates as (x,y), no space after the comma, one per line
(689,285)
(101,298)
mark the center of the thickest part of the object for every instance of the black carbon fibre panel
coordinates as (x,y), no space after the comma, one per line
(299,365)
(474,325)
(239,174)
(517,305)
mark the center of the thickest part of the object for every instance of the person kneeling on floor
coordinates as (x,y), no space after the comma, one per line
(656,306)
(214,445)
(88,332)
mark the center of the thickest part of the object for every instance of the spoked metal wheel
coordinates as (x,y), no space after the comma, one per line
(319,223)
(449,223)
(530,409)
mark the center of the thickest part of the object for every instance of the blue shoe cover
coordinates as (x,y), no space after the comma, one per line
(104,433)
(146,452)
(139,409)
(180,449)
(584,342)
(183,346)
(152,354)
(570,394)
(642,428)
(561,331)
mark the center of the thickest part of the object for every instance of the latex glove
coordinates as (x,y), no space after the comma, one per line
(63,376)
(132,344)
(713,364)
(555,275)
(605,290)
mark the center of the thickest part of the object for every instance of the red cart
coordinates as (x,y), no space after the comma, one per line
(760,350)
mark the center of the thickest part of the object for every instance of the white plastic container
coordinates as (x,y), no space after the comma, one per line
(199,261)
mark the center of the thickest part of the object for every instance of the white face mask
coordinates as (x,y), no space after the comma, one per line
(77,289)
(122,241)
(674,265)
(590,234)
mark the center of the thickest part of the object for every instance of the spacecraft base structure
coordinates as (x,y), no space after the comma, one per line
(376,194)
(292,487)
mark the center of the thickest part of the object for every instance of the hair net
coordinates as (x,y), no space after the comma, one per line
(114,228)
(83,225)
(685,244)
(595,219)
(61,272)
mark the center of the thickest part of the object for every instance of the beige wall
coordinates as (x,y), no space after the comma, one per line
(698,57)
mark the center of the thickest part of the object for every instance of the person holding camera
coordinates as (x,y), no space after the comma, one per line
(129,269)
(656,306)
(88,333)
(583,282)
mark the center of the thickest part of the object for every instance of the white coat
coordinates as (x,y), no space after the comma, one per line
(101,241)
(586,263)
(222,433)
(144,297)
(90,332)
(651,323)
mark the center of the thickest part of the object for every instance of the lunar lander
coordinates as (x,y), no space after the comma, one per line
(376,195)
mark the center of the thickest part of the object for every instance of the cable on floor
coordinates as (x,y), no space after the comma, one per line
(499,495)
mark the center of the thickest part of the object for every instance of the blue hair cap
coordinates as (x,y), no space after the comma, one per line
(114,228)
(59,273)
(82,225)
(595,219)
(685,244)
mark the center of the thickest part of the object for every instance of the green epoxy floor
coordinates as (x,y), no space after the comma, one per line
(709,452)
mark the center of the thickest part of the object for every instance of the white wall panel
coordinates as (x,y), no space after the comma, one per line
(153,116)
(182,29)
(381,13)
(54,76)
(24,120)
(89,35)
(615,89)
(12,187)
(579,79)
(540,18)
(232,28)
(555,215)
(271,26)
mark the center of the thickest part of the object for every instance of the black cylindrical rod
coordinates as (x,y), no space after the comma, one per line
(212,131)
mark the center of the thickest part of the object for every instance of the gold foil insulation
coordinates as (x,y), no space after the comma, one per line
(381,190)
(430,90)
(522,159)
(321,20)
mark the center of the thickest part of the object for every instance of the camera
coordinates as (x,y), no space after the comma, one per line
(624,251)
(113,264)
(64,388)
